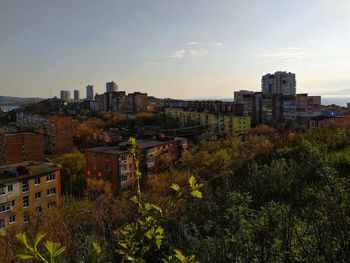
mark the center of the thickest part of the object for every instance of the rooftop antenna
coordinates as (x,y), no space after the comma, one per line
(50,93)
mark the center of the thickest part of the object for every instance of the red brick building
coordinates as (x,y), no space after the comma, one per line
(56,129)
(113,164)
(17,147)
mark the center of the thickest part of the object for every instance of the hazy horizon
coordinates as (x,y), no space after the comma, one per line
(180,49)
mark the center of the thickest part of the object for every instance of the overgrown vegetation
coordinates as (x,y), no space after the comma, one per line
(272,197)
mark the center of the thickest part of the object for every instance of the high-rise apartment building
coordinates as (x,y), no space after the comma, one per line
(27,189)
(16,146)
(65,95)
(89,92)
(280,82)
(76,95)
(111,86)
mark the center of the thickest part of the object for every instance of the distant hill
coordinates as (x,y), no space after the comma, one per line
(16,101)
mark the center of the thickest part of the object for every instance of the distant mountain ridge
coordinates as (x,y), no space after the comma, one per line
(17,101)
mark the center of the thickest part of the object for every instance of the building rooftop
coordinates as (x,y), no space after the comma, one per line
(25,170)
(123,147)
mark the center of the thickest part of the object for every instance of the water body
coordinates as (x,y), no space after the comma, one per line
(8,108)
(340,100)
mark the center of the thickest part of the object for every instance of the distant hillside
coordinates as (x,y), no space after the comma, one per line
(15,101)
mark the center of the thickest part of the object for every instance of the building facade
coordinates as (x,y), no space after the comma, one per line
(89,92)
(111,87)
(27,189)
(65,95)
(76,95)
(217,123)
(137,102)
(114,164)
(18,146)
(280,82)
(56,129)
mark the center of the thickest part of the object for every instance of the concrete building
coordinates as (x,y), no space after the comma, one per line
(280,82)
(137,102)
(76,95)
(56,129)
(111,87)
(308,106)
(322,122)
(16,146)
(65,95)
(114,164)
(26,189)
(217,123)
(113,101)
(89,92)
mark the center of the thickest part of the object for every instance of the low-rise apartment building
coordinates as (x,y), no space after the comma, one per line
(114,164)
(56,129)
(27,188)
(214,122)
(17,146)
(322,122)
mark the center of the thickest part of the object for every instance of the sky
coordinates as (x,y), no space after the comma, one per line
(172,48)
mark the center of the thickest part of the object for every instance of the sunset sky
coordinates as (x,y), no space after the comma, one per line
(167,48)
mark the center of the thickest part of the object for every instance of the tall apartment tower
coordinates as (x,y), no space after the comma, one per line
(76,95)
(281,82)
(65,95)
(89,92)
(111,86)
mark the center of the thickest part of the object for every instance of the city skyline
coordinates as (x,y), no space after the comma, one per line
(182,49)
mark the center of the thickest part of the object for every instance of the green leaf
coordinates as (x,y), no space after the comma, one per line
(24,256)
(197,194)
(38,237)
(192,182)
(175,187)
(179,255)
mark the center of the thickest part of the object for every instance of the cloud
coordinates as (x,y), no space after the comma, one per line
(216,44)
(193,43)
(287,54)
(198,52)
(177,54)
(151,63)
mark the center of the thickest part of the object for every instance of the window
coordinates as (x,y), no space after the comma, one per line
(13,203)
(25,218)
(2,191)
(51,191)
(12,219)
(151,150)
(108,168)
(25,187)
(25,201)
(94,166)
(37,195)
(37,180)
(9,188)
(50,177)
(123,168)
(38,209)
(124,178)
(2,223)
(51,204)
(123,157)
(5,207)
